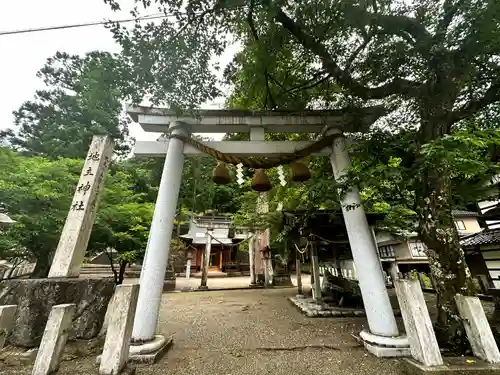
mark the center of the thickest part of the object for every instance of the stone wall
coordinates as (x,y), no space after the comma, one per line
(36,297)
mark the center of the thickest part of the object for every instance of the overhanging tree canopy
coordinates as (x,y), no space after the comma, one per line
(435,63)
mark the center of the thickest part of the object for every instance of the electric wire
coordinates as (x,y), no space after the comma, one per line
(86,24)
(106,22)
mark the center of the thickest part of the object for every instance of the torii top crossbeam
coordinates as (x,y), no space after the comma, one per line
(241,121)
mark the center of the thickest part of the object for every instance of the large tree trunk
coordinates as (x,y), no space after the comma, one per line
(446,258)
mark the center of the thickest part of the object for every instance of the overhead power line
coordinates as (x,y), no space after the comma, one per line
(96,23)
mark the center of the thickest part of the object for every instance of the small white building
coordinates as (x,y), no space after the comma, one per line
(407,252)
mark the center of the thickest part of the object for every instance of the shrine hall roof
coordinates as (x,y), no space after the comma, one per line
(199,237)
(349,120)
(486,237)
(492,213)
(463,213)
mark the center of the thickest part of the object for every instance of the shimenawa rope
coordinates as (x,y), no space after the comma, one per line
(258,162)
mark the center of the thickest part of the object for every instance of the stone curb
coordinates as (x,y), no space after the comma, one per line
(184,290)
(307,307)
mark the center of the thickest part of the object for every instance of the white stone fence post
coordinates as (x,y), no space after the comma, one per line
(477,328)
(7,315)
(115,354)
(423,343)
(54,339)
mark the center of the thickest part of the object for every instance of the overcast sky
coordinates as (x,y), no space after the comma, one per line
(23,55)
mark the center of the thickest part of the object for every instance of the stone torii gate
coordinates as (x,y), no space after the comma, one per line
(383,337)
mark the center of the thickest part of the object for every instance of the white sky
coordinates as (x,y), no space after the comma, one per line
(22,55)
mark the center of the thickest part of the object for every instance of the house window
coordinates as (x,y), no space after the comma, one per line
(386,252)
(417,248)
(460,224)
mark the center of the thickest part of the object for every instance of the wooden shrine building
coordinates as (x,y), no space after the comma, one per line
(224,254)
(328,230)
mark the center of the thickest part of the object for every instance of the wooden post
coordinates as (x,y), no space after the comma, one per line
(477,328)
(316,287)
(299,273)
(188,268)
(54,339)
(266,273)
(7,315)
(206,261)
(423,344)
(115,353)
(75,235)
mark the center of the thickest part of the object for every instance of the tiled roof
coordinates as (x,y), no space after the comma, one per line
(492,212)
(486,237)
(198,235)
(464,213)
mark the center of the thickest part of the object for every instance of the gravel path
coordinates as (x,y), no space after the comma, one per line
(220,282)
(238,332)
(249,332)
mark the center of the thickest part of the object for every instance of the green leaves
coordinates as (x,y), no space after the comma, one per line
(37,193)
(82,98)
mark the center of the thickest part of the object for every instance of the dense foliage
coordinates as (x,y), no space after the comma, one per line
(432,64)
(37,192)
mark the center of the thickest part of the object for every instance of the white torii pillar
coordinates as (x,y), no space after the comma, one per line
(158,249)
(381,321)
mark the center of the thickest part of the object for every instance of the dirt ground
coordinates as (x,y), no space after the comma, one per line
(182,283)
(242,332)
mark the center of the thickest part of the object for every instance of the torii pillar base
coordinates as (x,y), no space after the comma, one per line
(381,346)
(151,351)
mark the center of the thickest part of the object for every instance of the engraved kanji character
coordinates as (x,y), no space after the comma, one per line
(88,172)
(84,188)
(94,156)
(77,206)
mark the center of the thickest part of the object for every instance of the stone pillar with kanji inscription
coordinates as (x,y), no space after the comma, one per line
(75,235)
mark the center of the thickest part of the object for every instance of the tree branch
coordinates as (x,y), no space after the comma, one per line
(358,50)
(400,25)
(253,30)
(397,86)
(449,10)
(305,85)
(491,96)
(472,45)
(309,84)
(110,257)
